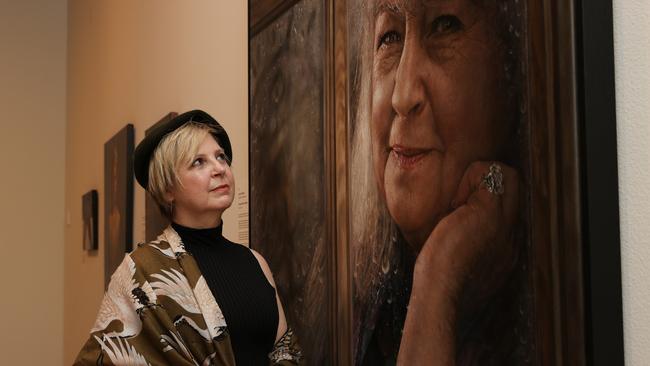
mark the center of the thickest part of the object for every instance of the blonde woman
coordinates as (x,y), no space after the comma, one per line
(190,297)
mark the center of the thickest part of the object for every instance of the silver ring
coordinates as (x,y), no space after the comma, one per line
(493,180)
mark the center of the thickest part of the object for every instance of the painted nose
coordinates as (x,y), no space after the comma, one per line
(409,92)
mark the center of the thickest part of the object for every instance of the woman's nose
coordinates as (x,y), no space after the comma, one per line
(218,168)
(409,90)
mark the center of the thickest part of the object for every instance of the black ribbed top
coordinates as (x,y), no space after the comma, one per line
(241,289)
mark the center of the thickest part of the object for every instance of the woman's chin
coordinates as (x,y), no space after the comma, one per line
(414,227)
(221,203)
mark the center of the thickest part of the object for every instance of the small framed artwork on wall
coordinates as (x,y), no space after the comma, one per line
(89,214)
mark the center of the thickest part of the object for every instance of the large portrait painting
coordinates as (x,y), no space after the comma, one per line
(118,199)
(438,153)
(417,179)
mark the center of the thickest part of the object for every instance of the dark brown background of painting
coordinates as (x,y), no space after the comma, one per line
(287,205)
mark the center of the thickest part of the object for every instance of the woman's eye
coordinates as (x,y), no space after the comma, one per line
(197,162)
(223,158)
(446,24)
(388,38)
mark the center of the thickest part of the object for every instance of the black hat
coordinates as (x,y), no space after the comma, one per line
(146,147)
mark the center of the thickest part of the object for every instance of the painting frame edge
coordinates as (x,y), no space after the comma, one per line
(129,132)
(597,105)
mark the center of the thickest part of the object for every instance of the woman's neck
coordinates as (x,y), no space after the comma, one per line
(194,222)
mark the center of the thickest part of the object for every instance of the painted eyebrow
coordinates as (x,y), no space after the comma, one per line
(385,7)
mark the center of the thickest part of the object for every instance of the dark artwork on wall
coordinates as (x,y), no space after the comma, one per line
(445,153)
(118,199)
(155,222)
(89,213)
(287,207)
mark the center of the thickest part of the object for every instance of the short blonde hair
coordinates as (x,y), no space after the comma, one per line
(175,149)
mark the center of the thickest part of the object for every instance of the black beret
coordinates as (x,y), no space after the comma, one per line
(146,147)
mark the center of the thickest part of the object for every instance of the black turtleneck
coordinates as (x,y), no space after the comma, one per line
(241,289)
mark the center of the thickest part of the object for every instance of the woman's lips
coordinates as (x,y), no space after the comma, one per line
(407,157)
(218,188)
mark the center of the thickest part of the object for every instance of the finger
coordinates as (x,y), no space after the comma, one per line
(470,182)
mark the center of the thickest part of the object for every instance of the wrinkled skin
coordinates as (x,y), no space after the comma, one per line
(438,122)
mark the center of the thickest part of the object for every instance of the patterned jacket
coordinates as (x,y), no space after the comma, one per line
(158,310)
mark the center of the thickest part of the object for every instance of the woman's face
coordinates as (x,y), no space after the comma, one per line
(438,104)
(208,185)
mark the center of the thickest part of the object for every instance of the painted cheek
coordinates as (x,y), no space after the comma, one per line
(381,116)
(382,110)
(380,155)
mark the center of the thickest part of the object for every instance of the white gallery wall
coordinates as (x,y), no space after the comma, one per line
(632,59)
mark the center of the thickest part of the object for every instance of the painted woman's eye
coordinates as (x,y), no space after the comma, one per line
(388,38)
(446,24)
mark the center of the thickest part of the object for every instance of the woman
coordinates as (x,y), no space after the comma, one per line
(444,239)
(191,297)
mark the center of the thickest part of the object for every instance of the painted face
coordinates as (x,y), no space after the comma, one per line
(208,185)
(438,102)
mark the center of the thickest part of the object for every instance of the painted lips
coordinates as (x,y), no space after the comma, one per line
(407,157)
